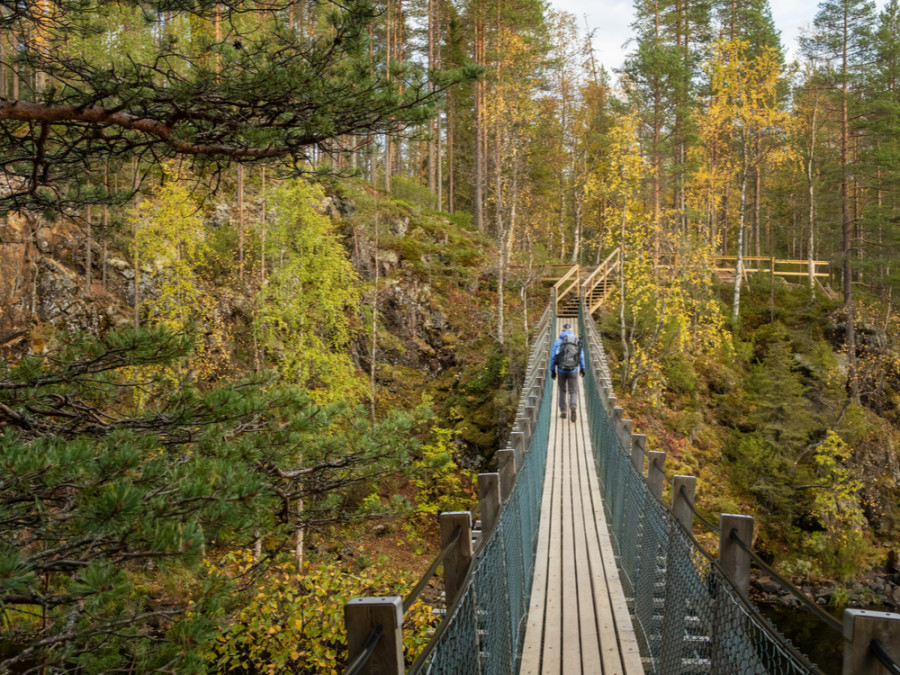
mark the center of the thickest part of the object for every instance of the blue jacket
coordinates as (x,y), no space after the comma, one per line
(555,350)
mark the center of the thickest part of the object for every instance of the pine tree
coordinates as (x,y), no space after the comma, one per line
(841,44)
(111,515)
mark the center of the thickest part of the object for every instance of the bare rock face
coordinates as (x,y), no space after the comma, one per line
(42,282)
(17,272)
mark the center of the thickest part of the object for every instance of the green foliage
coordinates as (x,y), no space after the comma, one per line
(170,240)
(293,622)
(304,310)
(439,480)
(410,190)
(838,508)
(123,502)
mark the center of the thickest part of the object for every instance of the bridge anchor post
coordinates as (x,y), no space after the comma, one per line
(861,628)
(362,616)
(735,561)
(489,501)
(506,467)
(656,475)
(457,562)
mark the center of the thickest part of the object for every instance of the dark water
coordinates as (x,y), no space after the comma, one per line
(822,644)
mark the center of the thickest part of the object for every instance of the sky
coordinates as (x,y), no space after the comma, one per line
(612,21)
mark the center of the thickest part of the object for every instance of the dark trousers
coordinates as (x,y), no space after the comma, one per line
(568,390)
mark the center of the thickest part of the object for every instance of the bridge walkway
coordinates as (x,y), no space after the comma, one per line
(578,620)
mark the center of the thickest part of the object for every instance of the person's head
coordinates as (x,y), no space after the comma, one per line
(567,326)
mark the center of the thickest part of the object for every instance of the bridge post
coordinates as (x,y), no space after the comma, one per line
(616,420)
(677,606)
(506,467)
(361,617)
(681,503)
(624,431)
(457,562)
(733,559)
(517,441)
(531,410)
(638,447)
(489,500)
(610,404)
(524,425)
(656,475)
(861,627)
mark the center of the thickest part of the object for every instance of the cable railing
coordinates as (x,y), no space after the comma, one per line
(692,612)
(486,585)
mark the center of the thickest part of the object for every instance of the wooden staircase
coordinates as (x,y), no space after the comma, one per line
(594,284)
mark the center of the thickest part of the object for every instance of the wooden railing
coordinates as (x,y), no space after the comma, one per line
(599,276)
(723,266)
(774,266)
(566,284)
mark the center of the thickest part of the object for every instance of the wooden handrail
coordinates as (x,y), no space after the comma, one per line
(769,258)
(572,270)
(599,268)
(559,284)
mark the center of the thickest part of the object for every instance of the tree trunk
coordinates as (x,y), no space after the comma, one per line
(479,131)
(739,264)
(811,187)
(88,262)
(577,205)
(846,247)
(432,123)
(374,320)
(240,198)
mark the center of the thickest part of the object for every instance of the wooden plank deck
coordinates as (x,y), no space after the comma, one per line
(578,620)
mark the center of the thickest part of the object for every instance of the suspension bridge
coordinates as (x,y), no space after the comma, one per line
(582,559)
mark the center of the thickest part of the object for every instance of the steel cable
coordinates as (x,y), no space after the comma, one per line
(829,619)
(414,594)
(711,526)
(368,649)
(878,650)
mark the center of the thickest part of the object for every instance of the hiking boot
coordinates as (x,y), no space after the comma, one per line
(572,415)
(562,415)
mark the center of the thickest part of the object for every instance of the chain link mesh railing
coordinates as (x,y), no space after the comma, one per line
(688,616)
(482,633)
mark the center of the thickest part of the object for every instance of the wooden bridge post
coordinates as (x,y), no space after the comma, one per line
(677,606)
(531,410)
(733,559)
(656,475)
(624,431)
(681,503)
(506,467)
(616,421)
(638,449)
(861,628)
(361,616)
(610,404)
(524,425)
(735,564)
(457,562)
(488,500)
(517,442)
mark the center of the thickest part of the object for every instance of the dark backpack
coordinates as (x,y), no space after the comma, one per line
(569,351)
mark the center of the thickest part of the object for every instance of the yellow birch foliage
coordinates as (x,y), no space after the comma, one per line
(170,243)
(294,623)
(304,308)
(667,305)
(744,124)
(838,507)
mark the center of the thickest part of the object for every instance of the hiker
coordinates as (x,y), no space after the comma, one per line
(567,361)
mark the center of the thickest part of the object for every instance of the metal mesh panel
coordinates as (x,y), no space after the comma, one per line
(484,633)
(688,617)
